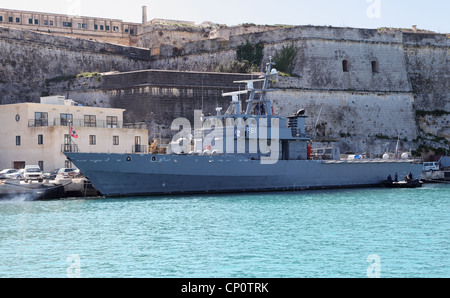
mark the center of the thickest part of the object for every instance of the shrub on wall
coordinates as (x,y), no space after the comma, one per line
(285,57)
(248,58)
(253,53)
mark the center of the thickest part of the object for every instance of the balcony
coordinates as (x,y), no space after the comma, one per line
(139,149)
(69,148)
(83,123)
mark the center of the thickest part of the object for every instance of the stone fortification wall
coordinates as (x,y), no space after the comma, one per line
(319,62)
(428,68)
(156,35)
(225,32)
(29,59)
(377,60)
(284,34)
(357,121)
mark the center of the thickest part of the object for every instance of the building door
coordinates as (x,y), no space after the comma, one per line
(18,165)
(66,143)
(137,144)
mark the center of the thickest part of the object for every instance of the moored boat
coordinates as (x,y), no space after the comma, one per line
(239,150)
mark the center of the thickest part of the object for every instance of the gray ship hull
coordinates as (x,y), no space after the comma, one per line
(117,175)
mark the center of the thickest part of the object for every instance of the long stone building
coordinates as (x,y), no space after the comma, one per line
(369,86)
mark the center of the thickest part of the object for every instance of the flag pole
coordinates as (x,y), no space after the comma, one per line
(396,147)
(70,135)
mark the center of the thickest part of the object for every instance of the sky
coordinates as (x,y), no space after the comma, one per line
(425,14)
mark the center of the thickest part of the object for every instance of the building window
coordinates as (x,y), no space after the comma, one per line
(68,163)
(111,121)
(40,139)
(116,29)
(131,31)
(344,65)
(126,30)
(95,27)
(92,140)
(374,66)
(65,118)
(89,121)
(36,21)
(107,28)
(17,140)
(17,20)
(67,24)
(45,23)
(101,27)
(30,21)
(51,23)
(115,140)
(40,119)
(10,19)
(1,19)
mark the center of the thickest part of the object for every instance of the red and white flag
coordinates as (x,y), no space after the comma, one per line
(73,133)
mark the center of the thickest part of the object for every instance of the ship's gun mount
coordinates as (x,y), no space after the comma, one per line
(296,123)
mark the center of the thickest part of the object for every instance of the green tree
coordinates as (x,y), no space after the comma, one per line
(284,58)
(253,53)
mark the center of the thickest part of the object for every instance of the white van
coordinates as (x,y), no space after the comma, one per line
(430,166)
(32,173)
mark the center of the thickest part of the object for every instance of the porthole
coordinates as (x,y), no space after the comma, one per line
(128,158)
(17,117)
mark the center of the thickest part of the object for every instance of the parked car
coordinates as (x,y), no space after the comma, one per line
(6,172)
(430,166)
(16,175)
(32,173)
(51,175)
(67,173)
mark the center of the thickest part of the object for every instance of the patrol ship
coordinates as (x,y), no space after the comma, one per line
(237,151)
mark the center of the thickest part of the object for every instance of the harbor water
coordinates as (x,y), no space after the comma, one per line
(374,232)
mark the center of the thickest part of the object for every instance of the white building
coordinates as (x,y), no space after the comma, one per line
(38,133)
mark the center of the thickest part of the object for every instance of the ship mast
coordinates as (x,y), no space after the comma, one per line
(260,106)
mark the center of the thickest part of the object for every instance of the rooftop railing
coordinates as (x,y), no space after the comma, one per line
(83,123)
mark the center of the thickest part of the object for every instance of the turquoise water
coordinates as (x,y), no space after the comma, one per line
(333,233)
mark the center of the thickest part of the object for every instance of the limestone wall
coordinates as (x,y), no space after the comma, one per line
(357,121)
(28,59)
(428,69)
